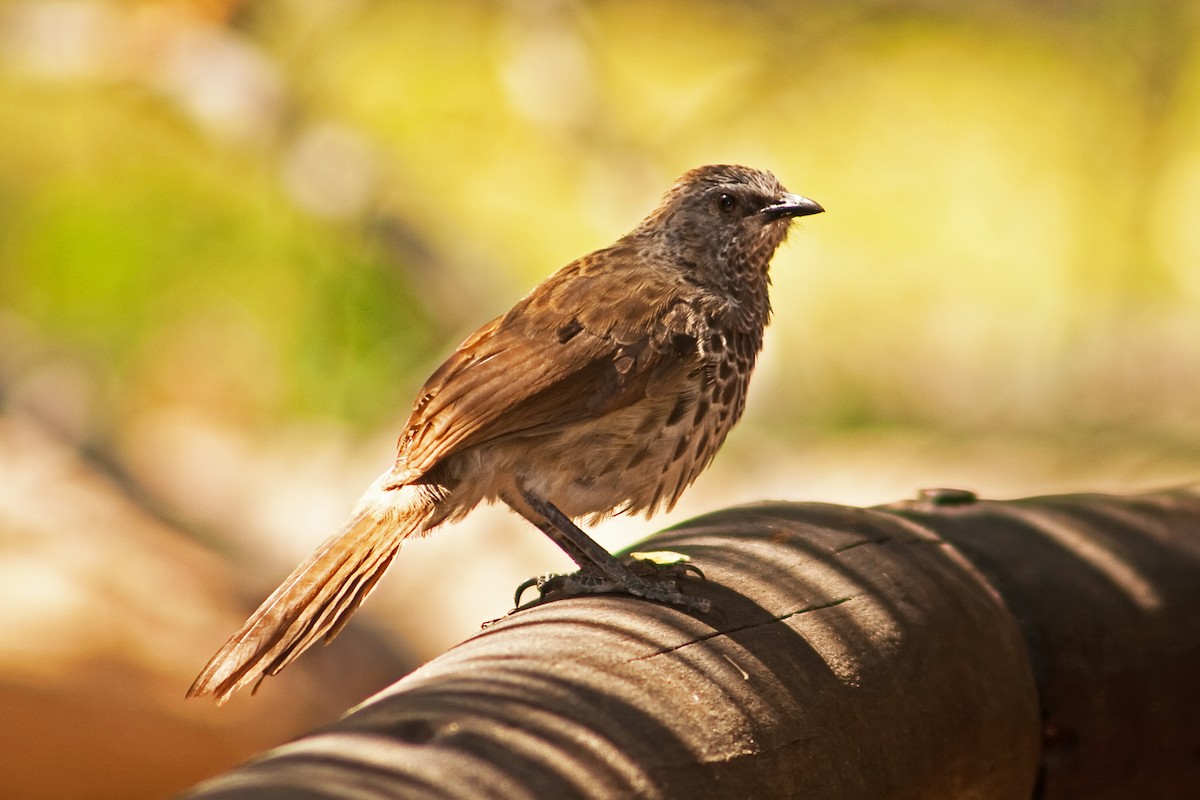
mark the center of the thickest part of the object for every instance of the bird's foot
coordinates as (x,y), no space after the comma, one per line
(651,576)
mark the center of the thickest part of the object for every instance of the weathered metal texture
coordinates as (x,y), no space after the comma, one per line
(1106,591)
(944,648)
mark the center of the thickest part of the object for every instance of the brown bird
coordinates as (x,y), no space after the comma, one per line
(608,388)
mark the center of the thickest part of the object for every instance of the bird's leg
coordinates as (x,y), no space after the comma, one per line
(600,572)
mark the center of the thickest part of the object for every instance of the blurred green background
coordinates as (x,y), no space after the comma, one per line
(236,236)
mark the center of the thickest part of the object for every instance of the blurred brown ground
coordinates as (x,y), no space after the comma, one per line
(110,614)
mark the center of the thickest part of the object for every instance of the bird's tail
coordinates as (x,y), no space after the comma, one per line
(317,599)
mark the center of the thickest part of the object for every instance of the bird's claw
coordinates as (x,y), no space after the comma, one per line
(538,581)
(663,564)
(647,578)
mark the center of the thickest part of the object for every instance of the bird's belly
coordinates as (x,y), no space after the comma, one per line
(631,460)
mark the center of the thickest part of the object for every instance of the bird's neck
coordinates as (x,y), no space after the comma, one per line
(737,278)
(744,281)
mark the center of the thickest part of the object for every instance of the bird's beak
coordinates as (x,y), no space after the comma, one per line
(790,205)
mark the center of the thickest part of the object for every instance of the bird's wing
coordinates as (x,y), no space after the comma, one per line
(583,344)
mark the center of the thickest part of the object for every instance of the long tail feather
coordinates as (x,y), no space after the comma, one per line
(318,598)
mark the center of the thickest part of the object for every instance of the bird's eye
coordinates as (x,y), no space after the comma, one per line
(726,202)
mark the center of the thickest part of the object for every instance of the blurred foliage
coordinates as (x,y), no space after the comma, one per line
(182,272)
(283,209)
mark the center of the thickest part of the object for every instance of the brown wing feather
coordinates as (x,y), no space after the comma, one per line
(558,361)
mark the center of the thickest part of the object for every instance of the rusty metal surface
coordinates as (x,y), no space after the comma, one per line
(942,648)
(1106,590)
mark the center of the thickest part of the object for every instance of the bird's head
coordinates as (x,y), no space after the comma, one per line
(727,218)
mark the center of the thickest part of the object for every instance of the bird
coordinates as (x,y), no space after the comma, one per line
(607,389)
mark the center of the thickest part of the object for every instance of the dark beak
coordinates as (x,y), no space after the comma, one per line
(791,205)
